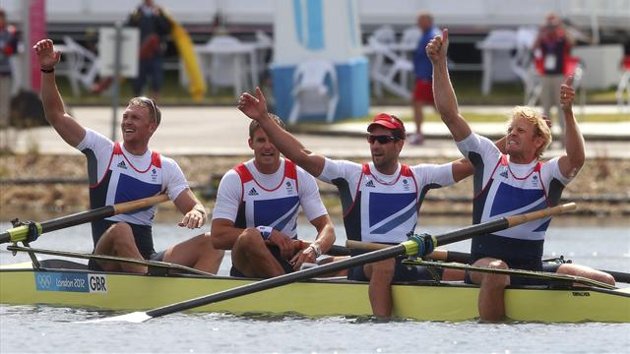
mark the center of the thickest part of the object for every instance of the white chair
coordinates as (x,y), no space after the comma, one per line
(407,47)
(264,50)
(315,90)
(385,35)
(227,64)
(410,38)
(496,57)
(522,63)
(386,67)
(80,66)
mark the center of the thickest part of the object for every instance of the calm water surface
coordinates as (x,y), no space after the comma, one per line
(599,244)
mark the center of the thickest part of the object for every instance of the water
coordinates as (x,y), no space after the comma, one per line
(53,329)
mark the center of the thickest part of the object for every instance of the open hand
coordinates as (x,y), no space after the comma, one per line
(253,107)
(46,55)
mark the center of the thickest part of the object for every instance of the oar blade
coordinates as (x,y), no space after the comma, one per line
(134,317)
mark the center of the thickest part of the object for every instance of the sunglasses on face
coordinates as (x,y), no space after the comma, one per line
(382,139)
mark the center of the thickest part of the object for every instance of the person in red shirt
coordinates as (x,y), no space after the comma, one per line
(554,46)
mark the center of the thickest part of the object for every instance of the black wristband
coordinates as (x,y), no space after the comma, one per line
(47,71)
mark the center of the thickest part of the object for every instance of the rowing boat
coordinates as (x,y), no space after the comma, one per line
(65,283)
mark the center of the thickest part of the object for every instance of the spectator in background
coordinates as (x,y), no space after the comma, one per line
(554,45)
(423,91)
(154,27)
(8,47)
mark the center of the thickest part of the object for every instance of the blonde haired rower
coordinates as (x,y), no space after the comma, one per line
(511,183)
(128,170)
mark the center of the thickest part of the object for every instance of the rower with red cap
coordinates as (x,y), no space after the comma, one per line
(380,199)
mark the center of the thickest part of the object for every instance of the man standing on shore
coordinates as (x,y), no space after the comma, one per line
(423,70)
(128,171)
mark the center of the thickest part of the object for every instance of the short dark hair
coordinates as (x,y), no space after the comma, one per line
(254,125)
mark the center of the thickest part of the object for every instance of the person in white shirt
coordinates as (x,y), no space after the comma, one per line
(511,182)
(256,212)
(120,172)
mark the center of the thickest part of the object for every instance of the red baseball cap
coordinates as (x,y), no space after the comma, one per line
(387,121)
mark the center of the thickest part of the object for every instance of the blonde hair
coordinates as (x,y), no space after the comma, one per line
(536,119)
(154,111)
(425,14)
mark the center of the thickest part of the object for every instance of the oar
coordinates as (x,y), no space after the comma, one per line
(460,257)
(101,257)
(417,245)
(517,272)
(437,254)
(335,250)
(22,233)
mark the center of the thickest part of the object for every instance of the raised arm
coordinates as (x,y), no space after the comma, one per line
(445,99)
(68,128)
(572,162)
(256,109)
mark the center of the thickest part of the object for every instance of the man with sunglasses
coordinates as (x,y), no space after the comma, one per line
(128,171)
(511,182)
(380,199)
(256,212)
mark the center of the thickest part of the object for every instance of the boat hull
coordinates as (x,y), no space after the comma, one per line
(315,298)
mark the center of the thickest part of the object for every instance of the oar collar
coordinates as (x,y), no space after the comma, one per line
(420,244)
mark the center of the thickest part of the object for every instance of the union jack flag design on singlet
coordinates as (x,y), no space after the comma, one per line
(123,182)
(387,211)
(507,194)
(276,207)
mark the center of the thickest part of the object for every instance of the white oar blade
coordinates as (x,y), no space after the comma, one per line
(134,317)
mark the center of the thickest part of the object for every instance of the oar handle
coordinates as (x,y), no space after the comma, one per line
(102,212)
(483,228)
(539,214)
(122,208)
(21,233)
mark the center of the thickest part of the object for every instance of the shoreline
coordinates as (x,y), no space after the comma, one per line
(601,189)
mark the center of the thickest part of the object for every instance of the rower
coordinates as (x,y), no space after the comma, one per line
(256,212)
(120,172)
(506,184)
